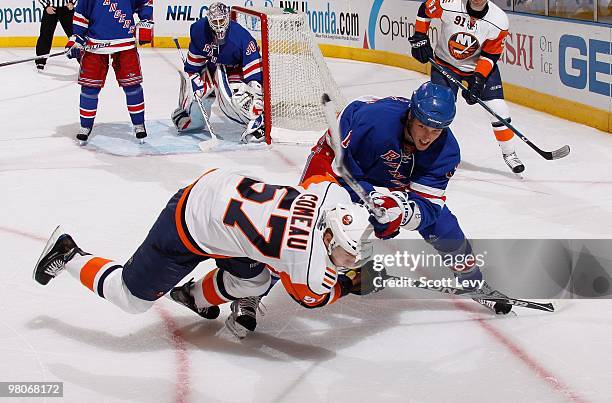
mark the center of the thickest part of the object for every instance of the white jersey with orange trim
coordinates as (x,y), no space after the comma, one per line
(464,41)
(226,214)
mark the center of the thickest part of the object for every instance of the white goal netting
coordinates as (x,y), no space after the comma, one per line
(297,74)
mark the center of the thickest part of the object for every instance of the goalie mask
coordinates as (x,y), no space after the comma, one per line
(219,19)
(350,230)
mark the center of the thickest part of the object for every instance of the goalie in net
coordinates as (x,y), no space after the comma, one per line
(223,60)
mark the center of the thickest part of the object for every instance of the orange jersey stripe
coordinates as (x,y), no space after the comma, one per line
(421,26)
(484,66)
(318,179)
(90,270)
(495,46)
(433,9)
(182,232)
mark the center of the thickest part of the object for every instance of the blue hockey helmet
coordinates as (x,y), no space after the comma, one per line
(433,105)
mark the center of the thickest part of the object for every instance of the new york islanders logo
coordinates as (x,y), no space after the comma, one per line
(462,45)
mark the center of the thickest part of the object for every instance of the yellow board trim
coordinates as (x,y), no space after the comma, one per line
(28,41)
(563,108)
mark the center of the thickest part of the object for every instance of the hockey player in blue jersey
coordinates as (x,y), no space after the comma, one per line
(108,29)
(223,58)
(406,146)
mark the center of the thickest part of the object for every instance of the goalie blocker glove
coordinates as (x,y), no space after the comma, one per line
(74,47)
(421,47)
(144,32)
(397,211)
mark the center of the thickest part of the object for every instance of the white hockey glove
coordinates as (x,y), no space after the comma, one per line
(248,99)
(398,212)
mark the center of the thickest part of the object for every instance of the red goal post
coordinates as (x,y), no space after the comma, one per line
(295,74)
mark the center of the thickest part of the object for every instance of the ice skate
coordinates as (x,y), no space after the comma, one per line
(58,251)
(243,318)
(255,131)
(499,308)
(514,163)
(83,135)
(140,132)
(183,296)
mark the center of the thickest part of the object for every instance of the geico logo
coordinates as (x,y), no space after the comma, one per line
(580,64)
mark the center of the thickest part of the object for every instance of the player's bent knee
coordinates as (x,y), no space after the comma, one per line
(118,293)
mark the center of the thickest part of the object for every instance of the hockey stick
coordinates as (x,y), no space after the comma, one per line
(549,155)
(548,307)
(339,167)
(64,52)
(199,101)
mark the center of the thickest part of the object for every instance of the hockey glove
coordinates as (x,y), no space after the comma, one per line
(364,279)
(248,99)
(393,209)
(74,47)
(421,47)
(476,85)
(144,32)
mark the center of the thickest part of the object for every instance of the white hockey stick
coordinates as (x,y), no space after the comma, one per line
(338,164)
(215,138)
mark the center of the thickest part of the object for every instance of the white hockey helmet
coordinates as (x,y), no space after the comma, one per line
(350,229)
(219,18)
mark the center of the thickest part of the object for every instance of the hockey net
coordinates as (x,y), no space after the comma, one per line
(294,71)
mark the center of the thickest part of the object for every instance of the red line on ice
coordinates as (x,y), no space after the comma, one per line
(182,385)
(537,368)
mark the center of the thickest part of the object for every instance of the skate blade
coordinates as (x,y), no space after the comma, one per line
(235,328)
(141,141)
(82,143)
(57,232)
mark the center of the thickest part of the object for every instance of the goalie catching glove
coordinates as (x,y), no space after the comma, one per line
(248,99)
(397,211)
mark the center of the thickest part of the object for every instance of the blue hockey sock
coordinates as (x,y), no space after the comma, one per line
(135,103)
(88,105)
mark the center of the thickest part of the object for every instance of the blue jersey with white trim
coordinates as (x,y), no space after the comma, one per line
(239,48)
(372,131)
(110,21)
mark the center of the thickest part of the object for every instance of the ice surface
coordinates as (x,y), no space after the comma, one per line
(361,349)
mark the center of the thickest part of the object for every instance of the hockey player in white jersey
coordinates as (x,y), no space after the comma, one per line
(303,235)
(469,45)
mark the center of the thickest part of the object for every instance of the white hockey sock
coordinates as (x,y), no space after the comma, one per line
(104,277)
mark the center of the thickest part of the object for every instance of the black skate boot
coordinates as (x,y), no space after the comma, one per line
(183,296)
(58,251)
(83,135)
(500,308)
(140,132)
(514,163)
(243,318)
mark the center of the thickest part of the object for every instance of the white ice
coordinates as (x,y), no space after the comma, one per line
(360,349)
